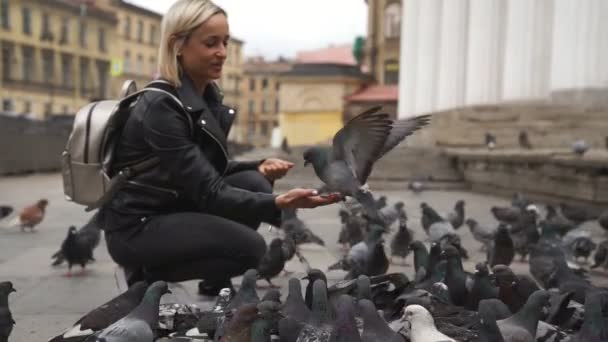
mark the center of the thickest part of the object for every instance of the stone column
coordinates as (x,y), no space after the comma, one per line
(485,51)
(528,49)
(452,54)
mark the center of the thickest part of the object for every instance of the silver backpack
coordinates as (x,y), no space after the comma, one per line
(87,159)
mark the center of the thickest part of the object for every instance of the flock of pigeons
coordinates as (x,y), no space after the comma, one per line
(441,302)
(579,146)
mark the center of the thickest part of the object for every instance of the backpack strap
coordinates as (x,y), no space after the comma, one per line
(118,181)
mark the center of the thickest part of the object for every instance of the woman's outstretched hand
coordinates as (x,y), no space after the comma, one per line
(273,168)
(305,198)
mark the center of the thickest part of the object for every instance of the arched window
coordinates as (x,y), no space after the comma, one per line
(392,20)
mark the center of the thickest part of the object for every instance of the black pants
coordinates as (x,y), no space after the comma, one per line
(190,245)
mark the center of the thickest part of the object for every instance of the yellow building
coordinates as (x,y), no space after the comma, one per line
(312,100)
(55,55)
(382,45)
(260,102)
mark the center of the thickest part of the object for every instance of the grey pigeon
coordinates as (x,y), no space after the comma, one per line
(514,290)
(522,325)
(139,325)
(375,328)
(6,317)
(297,230)
(353,227)
(238,328)
(246,293)
(502,251)
(318,327)
(400,244)
(393,213)
(381,202)
(524,140)
(488,329)
(312,276)
(422,325)
(5,210)
(595,324)
(580,147)
(104,315)
(483,234)
(272,262)
(267,321)
(456,217)
(482,287)
(294,303)
(429,216)
(345,326)
(490,141)
(87,238)
(76,250)
(345,167)
(581,246)
(440,229)
(507,214)
(557,221)
(579,213)
(289,329)
(272,295)
(421,255)
(600,258)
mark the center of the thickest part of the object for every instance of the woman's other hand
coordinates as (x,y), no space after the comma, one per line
(305,198)
(274,168)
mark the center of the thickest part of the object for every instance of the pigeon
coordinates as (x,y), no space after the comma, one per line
(429,216)
(6,318)
(238,328)
(524,140)
(482,287)
(600,258)
(87,238)
(75,250)
(375,328)
(522,325)
(352,229)
(578,213)
(456,217)
(376,263)
(211,323)
(513,290)
(524,233)
(31,216)
(507,214)
(488,329)
(246,293)
(580,147)
(519,200)
(421,255)
(294,303)
(345,166)
(318,327)
(455,277)
(400,244)
(490,141)
(312,276)
(603,220)
(381,202)
(582,246)
(502,251)
(272,262)
(416,186)
(483,234)
(5,210)
(345,326)
(422,325)
(289,329)
(272,295)
(267,321)
(558,222)
(140,324)
(595,324)
(392,214)
(285,146)
(297,230)
(105,315)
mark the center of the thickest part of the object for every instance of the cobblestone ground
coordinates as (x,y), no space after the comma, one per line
(47,302)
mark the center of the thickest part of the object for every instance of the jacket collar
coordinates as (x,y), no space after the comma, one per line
(193,101)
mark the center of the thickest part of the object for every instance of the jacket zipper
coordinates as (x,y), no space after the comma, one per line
(221,147)
(173,192)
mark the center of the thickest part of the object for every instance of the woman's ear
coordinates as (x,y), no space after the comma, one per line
(175,44)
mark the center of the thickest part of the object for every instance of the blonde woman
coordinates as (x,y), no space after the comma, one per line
(194,215)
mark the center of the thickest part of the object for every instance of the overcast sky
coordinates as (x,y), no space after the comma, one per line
(282,27)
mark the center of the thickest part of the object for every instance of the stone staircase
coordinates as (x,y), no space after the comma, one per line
(393,172)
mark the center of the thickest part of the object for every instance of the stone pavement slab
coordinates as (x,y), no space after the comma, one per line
(47,302)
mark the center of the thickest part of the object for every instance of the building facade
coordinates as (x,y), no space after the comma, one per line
(260,104)
(383,41)
(55,55)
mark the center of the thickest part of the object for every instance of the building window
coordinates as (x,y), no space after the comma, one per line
(277,86)
(127,66)
(66,109)
(264,106)
(82,33)
(28,63)
(27,106)
(48,108)
(65,31)
(276,105)
(84,79)
(251,106)
(46,33)
(153,34)
(7,105)
(48,63)
(7,61)
(251,128)
(153,66)
(26,15)
(4,15)
(264,83)
(127,32)
(103,70)
(264,128)
(252,84)
(391,71)
(392,20)
(140,31)
(102,39)
(140,64)
(66,70)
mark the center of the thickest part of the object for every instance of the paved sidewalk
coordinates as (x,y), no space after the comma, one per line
(47,302)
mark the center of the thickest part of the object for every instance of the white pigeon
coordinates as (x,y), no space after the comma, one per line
(422,325)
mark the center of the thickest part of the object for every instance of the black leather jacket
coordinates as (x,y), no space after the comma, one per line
(191,144)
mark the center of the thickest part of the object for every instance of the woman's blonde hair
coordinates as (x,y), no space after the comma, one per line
(179,22)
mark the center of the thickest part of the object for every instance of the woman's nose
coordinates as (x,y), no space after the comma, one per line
(222,52)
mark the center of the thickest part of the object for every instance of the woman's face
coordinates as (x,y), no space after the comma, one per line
(204,52)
